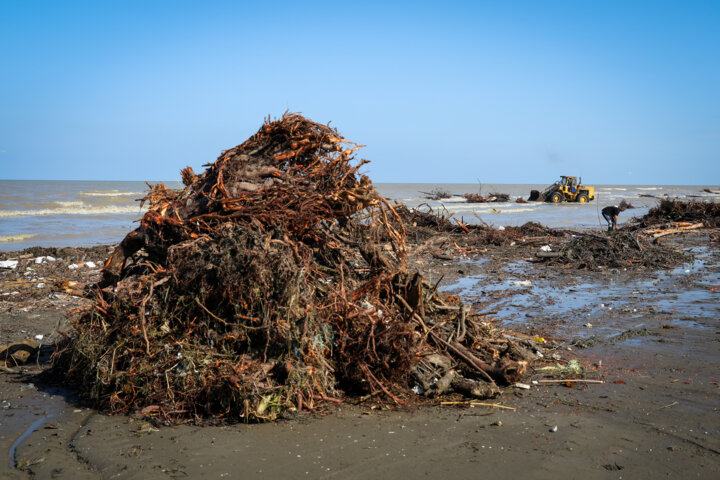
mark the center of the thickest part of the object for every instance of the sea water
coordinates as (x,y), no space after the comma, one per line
(84,213)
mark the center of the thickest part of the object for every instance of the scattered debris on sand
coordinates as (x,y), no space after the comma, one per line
(48,277)
(275,282)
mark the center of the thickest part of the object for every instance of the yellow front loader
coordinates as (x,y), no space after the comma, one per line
(568,189)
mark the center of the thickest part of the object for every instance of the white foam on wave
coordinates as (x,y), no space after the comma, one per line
(109,193)
(649,188)
(493,208)
(454,199)
(74,203)
(20,237)
(106,210)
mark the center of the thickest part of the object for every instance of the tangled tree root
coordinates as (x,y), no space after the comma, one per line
(275,281)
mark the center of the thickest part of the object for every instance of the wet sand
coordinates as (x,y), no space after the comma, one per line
(653,337)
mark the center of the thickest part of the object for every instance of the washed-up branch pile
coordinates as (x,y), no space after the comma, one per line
(491,198)
(437,194)
(668,211)
(275,281)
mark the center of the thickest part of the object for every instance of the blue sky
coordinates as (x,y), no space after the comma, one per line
(500,92)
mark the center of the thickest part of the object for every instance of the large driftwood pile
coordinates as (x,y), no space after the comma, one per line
(275,281)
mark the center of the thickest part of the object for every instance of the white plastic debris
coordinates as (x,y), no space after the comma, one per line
(39,337)
(11,264)
(501,228)
(588,325)
(90,264)
(554,429)
(40,285)
(44,259)
(72,266)
(522,283)
(524,386)
(545,248)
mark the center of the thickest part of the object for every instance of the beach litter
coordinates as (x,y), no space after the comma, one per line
(9,264)
(275,282)
(573,367)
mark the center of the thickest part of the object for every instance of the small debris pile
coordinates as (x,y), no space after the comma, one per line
(668,211)
(437,194)
(274,282)
(618,249)
(491,198)
(533,229)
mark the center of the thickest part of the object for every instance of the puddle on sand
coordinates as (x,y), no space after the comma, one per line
(610,304)
(24,409)
(22,438)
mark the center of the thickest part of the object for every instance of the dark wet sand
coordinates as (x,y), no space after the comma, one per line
(655,341)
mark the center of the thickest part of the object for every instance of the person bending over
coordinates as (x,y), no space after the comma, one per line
(610,213)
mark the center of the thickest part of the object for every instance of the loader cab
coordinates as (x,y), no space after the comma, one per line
(569,186)
(569,182)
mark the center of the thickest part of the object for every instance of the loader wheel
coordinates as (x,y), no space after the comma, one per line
(582,198)
(556,197)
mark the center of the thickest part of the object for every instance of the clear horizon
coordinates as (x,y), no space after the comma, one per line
(618,93)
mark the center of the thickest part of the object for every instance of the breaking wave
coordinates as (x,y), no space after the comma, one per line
(499,207)
(20,237)
(72,210)
(110,193)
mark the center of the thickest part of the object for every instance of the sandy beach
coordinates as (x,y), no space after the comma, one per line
(651,337)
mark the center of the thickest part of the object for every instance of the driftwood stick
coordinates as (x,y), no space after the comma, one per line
(480,404)
(670,231)
(574,380)
(480,366)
